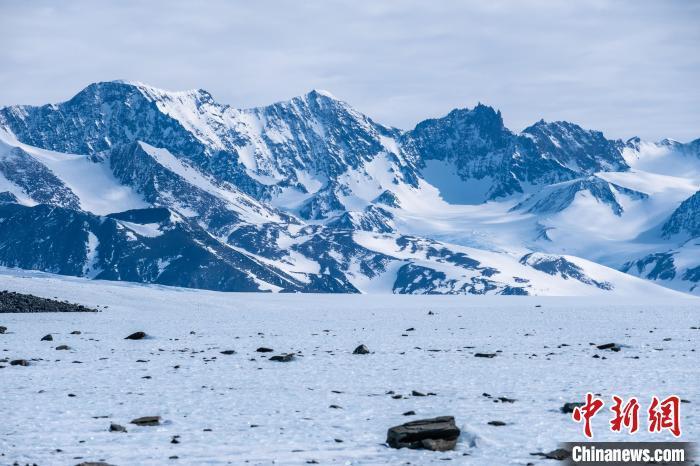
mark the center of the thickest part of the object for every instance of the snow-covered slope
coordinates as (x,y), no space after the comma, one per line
(311,195)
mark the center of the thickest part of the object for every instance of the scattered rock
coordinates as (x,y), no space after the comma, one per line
(47,338)
(94,463)
(504,399)
(19,362)
(116,428)
(62,347)
(228,352)
(559,454)
(362,349)
(409,413)
(497,423)
(485,355)
(3,329)
(283,357)
(609,346)
(262,349)
(76,332)
(568,408)
(437,434)
(147,421)
(417,393)
(136,336)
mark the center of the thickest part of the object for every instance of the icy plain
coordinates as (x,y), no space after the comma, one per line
(244,409)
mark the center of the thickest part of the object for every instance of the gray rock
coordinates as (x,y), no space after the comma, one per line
(3,329)
(19,362)
(283,357)
(116,428)
(136,336)
(47,338)
(609,346)
(147,421)
(62,347)
(262,349)
(568,408)
(362,349)
(228,352)
(559,454)
(437,434)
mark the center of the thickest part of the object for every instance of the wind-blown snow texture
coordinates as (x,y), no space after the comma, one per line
(128,182)
(263,412)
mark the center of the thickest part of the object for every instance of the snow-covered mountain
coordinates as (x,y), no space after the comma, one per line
(128,182)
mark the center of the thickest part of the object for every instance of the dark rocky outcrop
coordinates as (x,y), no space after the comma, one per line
(11,302)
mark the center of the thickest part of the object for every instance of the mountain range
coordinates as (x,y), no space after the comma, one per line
(128,182)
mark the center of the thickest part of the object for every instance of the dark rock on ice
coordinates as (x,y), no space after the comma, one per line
(283,357)
(609,346)
(568,408)
(47,338)
(437,434)
(362,349)
(136,336)
(116,428)
(559,454)
(147,421)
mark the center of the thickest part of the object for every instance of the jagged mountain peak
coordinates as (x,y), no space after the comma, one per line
(481,115)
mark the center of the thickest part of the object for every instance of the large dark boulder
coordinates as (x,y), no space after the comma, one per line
(437,434)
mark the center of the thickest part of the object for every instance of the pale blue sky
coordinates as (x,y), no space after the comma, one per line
(627,67)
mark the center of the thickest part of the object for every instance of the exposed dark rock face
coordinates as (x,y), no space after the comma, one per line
(136,336)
